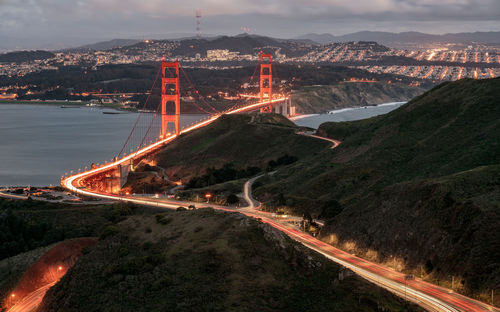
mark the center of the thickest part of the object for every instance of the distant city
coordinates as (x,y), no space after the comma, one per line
(430,62)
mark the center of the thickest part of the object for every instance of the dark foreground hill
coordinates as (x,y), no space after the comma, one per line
(418,188)
(208,261)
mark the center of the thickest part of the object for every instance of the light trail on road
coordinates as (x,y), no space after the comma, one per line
(454,56)
(443,74)
(360,57)
(31,301)
(12,196)
(427,295)
(429,73)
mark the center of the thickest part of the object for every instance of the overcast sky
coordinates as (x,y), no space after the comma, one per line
(58,23)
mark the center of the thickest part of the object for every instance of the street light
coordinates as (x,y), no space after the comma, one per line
(208,196)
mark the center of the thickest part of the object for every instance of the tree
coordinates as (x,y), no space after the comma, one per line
(330,209)
(307,216)
(232,199)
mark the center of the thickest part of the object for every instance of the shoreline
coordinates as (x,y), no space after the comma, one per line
(70,104)
(44,102)
(346,109)
(302,116)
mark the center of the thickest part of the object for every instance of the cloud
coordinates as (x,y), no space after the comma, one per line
(37,19)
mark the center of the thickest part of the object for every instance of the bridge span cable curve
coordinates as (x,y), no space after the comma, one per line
(140,113)
(150,126)
(250,83)
(197,92)
(199,107)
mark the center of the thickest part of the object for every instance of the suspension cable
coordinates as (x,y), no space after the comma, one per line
(140,113)
(197,92)
(150,125)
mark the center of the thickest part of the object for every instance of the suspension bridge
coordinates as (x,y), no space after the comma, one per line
(152,131)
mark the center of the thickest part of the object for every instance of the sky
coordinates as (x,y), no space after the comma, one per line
(27,24)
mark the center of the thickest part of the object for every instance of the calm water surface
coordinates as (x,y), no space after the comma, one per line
(39,143)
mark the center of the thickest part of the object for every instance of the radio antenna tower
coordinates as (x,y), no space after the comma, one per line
(198,22)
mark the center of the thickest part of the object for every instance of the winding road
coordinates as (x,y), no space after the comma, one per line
(31,301)
(427,295)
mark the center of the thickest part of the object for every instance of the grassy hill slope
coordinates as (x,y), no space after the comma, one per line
(208,261)
(417,188)
(244,140)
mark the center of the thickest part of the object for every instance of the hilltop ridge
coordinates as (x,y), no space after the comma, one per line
(417,188)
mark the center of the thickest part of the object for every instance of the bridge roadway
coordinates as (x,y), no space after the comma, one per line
(428,296)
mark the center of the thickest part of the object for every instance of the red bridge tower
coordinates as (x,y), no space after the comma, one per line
(170,94)
(266,80)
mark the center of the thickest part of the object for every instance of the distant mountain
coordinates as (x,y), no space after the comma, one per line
(243,43)
(106,45)
(25,56)
(319,38)
(389,38)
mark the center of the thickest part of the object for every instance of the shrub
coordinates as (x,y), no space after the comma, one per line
(161,219)
(108,231)
(232,199)
(330,209)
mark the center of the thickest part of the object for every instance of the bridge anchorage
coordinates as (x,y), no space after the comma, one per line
(266,81)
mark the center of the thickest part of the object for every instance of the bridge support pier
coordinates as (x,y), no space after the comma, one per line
(124,170)
(284,108)
(266,81)
(170,94)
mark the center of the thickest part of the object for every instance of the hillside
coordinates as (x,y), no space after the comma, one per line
(106,45)
(417,188)
(413,37)
(31,230)
(246,140)
(208,261)
(244,44)
(320,99)
(25,56)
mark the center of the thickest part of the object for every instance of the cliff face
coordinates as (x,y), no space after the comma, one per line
(320,99)
(417,188)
